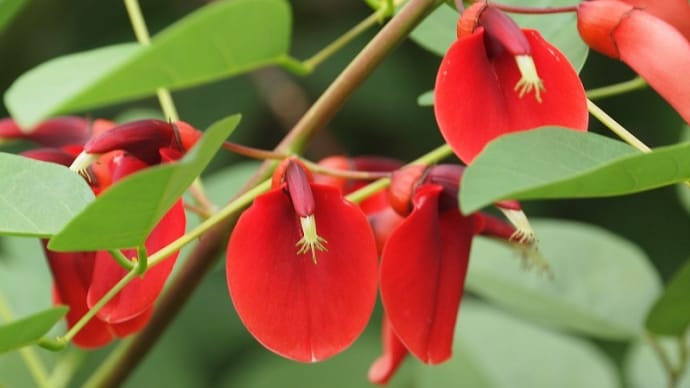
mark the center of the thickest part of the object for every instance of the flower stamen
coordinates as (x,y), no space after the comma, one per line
(310,240)
(530,80)
(82,163)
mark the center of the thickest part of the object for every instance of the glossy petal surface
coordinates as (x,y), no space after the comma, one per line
(642,40)
(140,294)
(72,274)
(294,307)
(394,353)
(423,270)
(475,100)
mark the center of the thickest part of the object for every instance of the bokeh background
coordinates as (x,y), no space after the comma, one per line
(206,345)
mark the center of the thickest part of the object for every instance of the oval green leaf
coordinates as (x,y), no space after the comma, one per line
(124,215)
(28,330)
(670,315)
(438,31)
(38,198)
(602,285)
(495,350)
(221,39)
(561,163)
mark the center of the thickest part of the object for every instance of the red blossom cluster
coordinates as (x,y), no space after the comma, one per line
(303,264)
(106,153)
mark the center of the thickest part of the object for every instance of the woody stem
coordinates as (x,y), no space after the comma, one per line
(204,255)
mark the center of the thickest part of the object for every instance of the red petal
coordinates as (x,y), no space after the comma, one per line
(72,274)
(301,310)
(131,326)
(394,353)
(423,270)
(673,12)
(141,138)
(140,294)
(475,101)
(55,132)
(642,40)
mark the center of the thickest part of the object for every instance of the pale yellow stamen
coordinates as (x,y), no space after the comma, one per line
(310,240)
(525,240)
(524,234)
(530,80)
(82,162)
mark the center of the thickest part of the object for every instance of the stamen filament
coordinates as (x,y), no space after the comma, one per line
(310,240)
(530,80)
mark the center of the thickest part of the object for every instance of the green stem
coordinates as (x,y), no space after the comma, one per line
(31,359)
(121,259)
(616,128)
(125,359)
(615,89)
(431,157)
(142,260)
(344,39)
(142,34)
(98,306)
(383,9)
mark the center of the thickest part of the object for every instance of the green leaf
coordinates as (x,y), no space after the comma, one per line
(670,315)
(561,163)
(348,369)
(495,350)
(38,198)
(29,330)
(25,279)
(643,369)
(124,215)
(602,285)
(8,10)
(209,44)
(438,31)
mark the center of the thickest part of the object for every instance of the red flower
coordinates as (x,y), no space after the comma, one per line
(640,37)
(301,268)
(423,267)
(83,278)
(55,132)
(483,84)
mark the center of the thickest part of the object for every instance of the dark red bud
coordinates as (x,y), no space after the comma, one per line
(53,155)
(299,188)
(144,139)
(55,132)
(404,182)
(502,29)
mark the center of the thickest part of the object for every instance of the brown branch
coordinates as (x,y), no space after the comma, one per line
(123,362)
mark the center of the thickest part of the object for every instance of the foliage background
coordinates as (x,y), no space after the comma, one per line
(206,345)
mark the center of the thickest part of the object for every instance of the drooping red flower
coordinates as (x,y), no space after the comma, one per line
(301,268)
(484,83)
(653,41)
(423,267)
(83,278)
(55,132)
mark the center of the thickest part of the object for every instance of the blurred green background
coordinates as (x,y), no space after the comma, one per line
(207,346)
